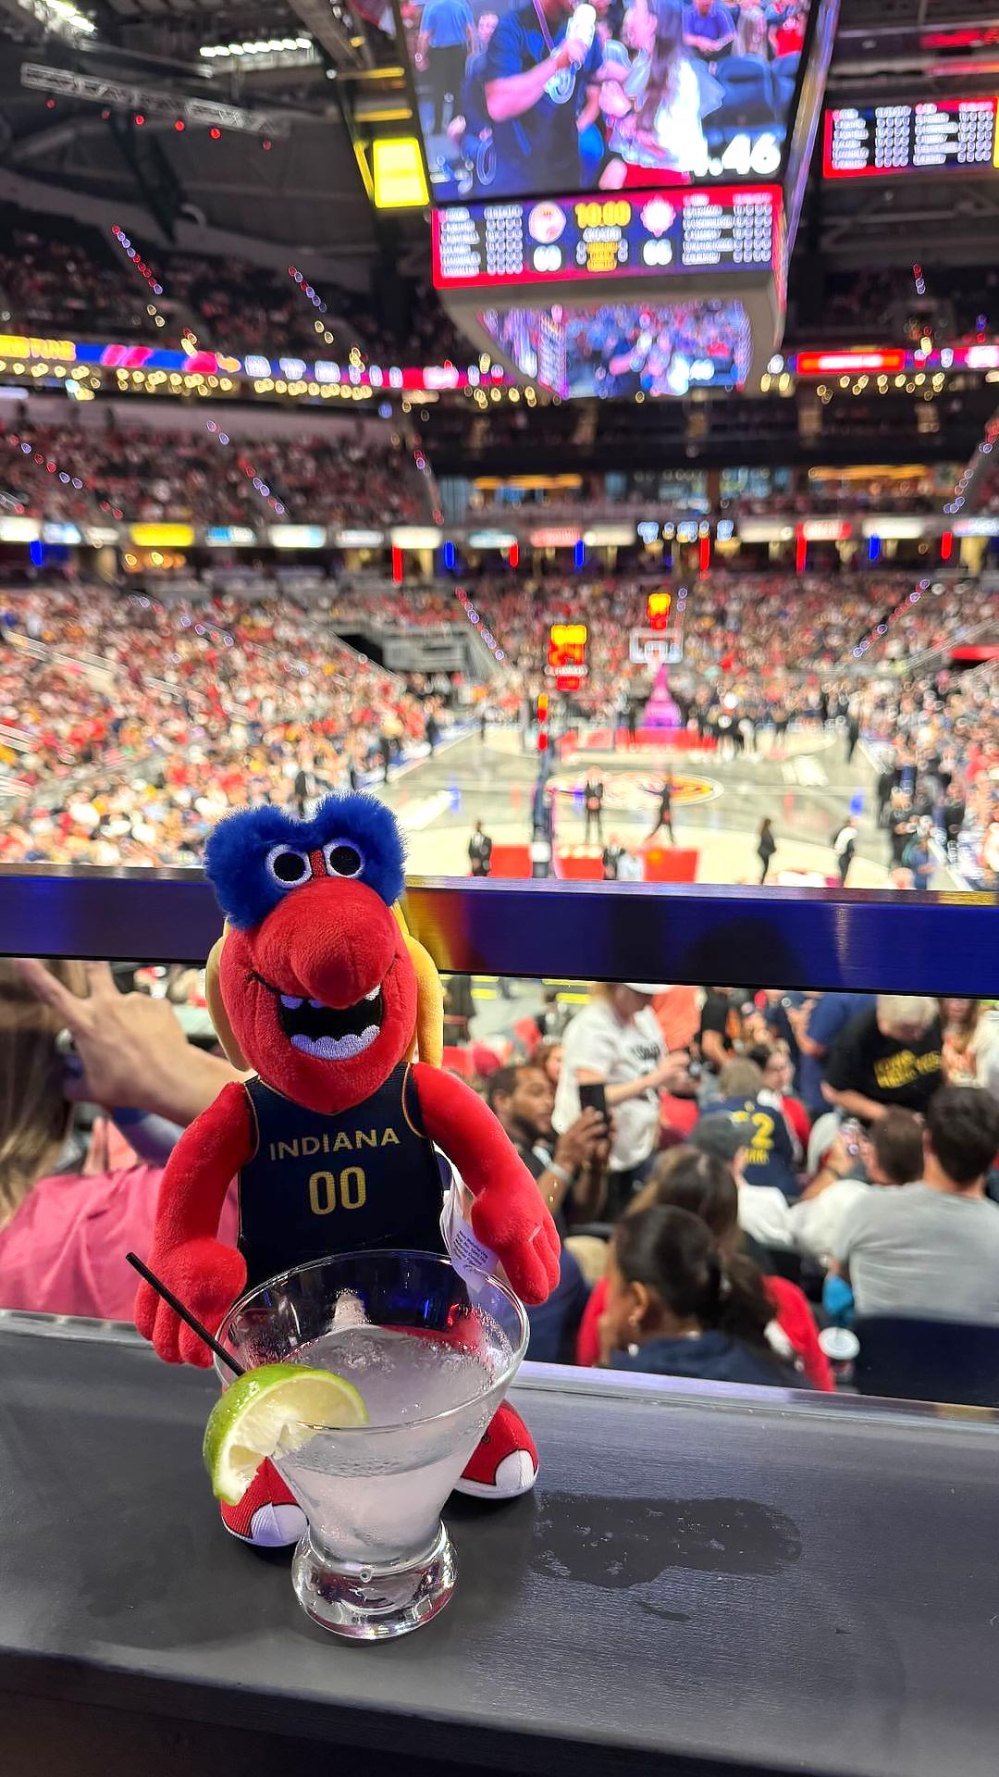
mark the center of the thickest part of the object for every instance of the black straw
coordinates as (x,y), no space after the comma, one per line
(195,1325)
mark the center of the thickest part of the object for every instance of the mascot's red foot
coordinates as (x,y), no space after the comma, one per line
(268,1516)
(504,1462)
(503,1465)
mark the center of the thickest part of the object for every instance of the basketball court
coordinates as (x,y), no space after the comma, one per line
(805,788)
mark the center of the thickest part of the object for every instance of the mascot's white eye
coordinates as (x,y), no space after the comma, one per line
(288,866)
(343,858)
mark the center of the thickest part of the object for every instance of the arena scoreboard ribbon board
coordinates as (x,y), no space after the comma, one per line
(576,239)
(567,644)
(925,136)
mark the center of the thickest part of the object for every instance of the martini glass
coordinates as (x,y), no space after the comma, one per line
(432,1356)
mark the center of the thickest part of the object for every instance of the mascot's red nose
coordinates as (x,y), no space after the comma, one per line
(332,940)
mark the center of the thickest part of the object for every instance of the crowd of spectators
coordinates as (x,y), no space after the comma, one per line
(191,683)
(763,652)
(89,475)
(80,281)
(840,1149)
(62,283)
(738,1177)
(137,723)
(57,277)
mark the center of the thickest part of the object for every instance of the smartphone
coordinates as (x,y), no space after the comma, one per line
(594,1094)
(851,1133)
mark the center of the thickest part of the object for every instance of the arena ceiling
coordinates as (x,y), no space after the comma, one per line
(305,193)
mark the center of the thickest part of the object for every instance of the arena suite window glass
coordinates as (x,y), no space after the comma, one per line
(523,98)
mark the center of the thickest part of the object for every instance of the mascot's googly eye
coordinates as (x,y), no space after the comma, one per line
(288,866)
(343,858)
(256,858)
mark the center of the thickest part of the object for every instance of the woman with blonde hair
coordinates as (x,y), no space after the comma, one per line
(64,1232)
(962,1040)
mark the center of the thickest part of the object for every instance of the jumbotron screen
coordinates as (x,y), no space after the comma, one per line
(623,349)
(526,98)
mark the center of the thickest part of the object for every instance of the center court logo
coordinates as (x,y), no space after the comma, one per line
(637,790)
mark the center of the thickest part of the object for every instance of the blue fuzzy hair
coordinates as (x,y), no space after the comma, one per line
(236,854)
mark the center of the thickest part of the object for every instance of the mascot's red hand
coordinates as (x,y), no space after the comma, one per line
(509,1214)
(205,1275)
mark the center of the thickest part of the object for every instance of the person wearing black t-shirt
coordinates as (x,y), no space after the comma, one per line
(720,1030)
(612,854)
(593,807)
(567,1167)
(664,818)
(480,851)
(889,1056)
(305,789)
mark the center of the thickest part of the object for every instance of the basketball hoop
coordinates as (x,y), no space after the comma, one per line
(652,648)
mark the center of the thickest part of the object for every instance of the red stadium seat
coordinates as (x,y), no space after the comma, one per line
(458,1060)
(511,861)
(528,1035)
(670,864)
(581,863)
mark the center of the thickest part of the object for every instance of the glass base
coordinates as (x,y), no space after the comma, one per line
(373,1603)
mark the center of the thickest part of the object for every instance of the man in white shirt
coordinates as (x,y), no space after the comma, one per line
(615,1042)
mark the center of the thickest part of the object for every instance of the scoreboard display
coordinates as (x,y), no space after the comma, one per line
(657,609)
(583,239)
(567,644)
(665,268)
(925,136)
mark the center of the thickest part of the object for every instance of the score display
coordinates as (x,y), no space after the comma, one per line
(927,136)
(514,243)
(566,663)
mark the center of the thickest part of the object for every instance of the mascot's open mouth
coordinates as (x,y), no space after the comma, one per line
(330,1033)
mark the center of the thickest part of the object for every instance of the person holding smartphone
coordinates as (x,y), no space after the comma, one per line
(615,1044)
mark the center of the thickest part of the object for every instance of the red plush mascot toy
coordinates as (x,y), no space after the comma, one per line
(317,986)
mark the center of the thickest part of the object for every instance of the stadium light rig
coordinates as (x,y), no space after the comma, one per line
(60,17)
(261,53)
(148,103)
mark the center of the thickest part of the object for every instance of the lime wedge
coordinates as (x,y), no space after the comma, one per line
(276,1407)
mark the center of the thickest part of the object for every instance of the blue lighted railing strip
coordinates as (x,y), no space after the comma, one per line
(856,940)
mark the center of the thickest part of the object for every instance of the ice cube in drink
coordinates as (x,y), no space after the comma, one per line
(375,1494)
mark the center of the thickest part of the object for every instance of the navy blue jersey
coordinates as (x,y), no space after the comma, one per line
(320,1184)
(543,141)
(770,1157)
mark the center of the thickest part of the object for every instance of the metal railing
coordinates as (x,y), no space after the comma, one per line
(859,940)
